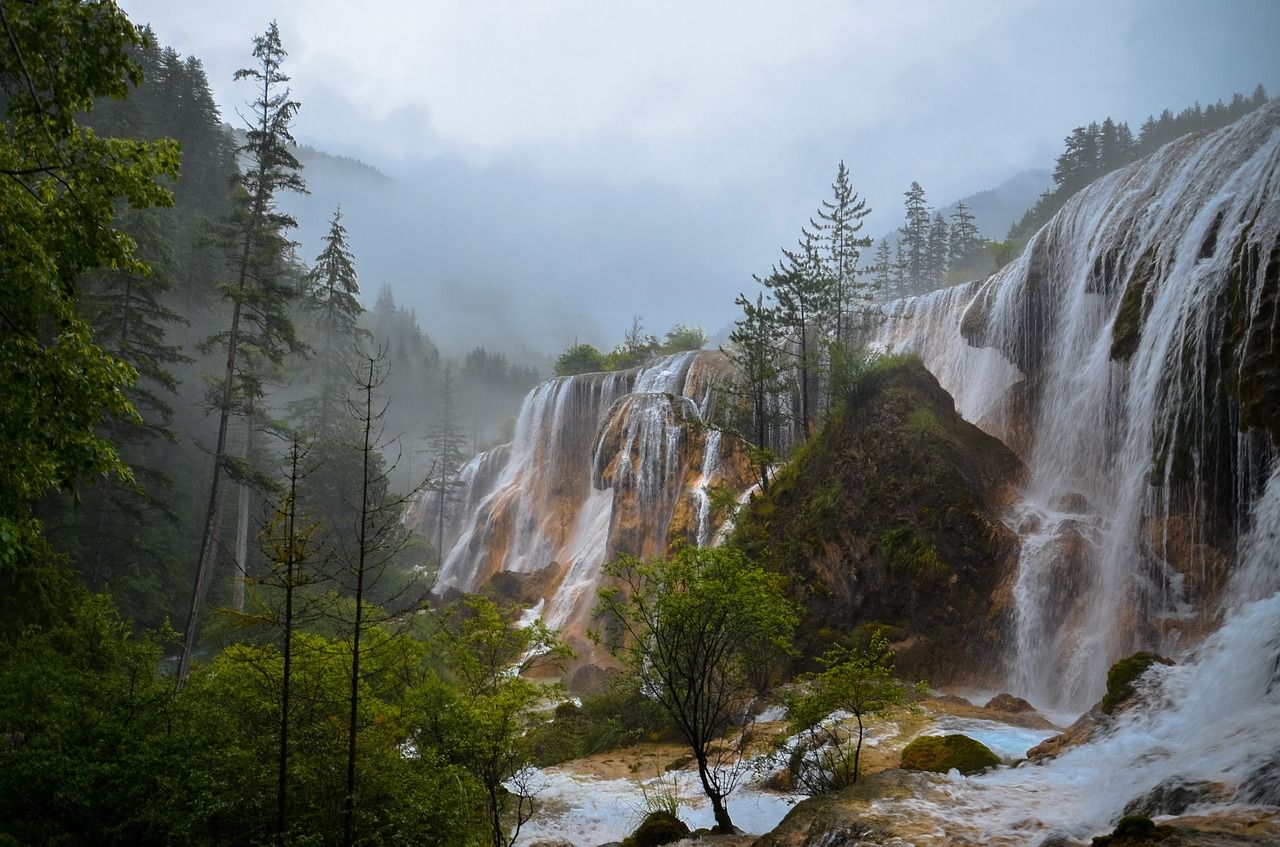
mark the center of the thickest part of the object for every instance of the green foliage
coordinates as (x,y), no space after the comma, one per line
(906,551)
(688,627)
(60,184)
(682,338)
(473,705)
(579,359)
(860,681)
(619,715)
(1122,676)
(942,753)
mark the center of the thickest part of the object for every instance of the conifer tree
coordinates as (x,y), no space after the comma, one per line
(804,295)
(754,353)
(260,332)
(964,241)
(447,448)
(331,299)
(936,253)
(914,238)
(836,229)
(884,269)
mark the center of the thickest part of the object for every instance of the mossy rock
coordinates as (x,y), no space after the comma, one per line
(1132,829)
(941,753)
(1123,674)
(657,828)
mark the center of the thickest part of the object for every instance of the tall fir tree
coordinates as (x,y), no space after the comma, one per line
(914,237)
(754,352)
(884,269)
(261,332)
(446,447)
(836,229)
(937,253)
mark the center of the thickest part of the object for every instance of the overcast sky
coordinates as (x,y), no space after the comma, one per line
(704,132)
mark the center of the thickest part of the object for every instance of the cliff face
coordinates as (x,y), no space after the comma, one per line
(891,516)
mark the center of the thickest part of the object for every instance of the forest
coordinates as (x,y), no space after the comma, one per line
(276,568)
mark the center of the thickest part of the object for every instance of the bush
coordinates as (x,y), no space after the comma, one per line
(580,359)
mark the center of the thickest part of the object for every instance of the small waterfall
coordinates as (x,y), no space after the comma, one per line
(601,464)
(1118,356)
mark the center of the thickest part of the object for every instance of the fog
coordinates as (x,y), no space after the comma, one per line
(555,169)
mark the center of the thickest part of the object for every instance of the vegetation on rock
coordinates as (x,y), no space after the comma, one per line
(942,753)
(1122,676)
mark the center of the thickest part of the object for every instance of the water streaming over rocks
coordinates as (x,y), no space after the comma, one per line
(1130,356)
(601,464)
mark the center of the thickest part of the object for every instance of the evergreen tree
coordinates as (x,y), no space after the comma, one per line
(754,353)
(836,229)
(447,448)
(332,299)
(964,239)
(914,238)
(936,253)
(260,331)
(884,269)
(804,295)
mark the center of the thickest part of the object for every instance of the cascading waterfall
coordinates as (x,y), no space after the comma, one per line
(601,464)
(1114,356)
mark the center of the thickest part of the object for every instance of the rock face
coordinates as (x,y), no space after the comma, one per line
(1130,357)
(890,517)
(601,464)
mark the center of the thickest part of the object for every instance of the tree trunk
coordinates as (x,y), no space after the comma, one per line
(286,681)
(723,824)
(242,524)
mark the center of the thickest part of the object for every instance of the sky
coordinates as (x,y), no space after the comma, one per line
(562,166)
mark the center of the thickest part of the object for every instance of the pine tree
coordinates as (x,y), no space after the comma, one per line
(446,446)
(754,353)
(260,332)
(914,238)
(936,253)
(332,300)
(884,269)
(836,229)
(964,239)
(804,295)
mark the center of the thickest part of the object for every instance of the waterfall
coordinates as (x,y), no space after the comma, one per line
(1119,355)
(601,464)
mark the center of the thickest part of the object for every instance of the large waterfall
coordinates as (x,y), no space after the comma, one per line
(1130,355)
(601,464)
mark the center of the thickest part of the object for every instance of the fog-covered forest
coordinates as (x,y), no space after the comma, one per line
(333,513)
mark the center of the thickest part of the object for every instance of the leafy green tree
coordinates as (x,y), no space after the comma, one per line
(260,333)
(579,359)
(682,338)
(688,627)
(474,705)
(60,188)
(860,682)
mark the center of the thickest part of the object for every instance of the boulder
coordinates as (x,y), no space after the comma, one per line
(942,753)
(656,829)
(1008,703)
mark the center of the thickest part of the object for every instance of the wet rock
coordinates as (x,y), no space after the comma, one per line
(1084,728)
(1175,796)
(943,753)
(656,829)
(1122,677)
(591,679)
(1008,703)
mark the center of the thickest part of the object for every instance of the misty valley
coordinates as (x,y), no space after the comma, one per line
(425,505)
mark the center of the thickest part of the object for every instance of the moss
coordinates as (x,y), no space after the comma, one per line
(1123,674)
(1126,332)
(657,828)
(923,422)
(1132,829)
(908,552)
(941,753)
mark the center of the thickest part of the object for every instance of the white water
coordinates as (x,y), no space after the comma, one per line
(599,465)
(1118,550)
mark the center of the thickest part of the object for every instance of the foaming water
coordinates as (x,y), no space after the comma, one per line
(601,464)
(1102,356)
